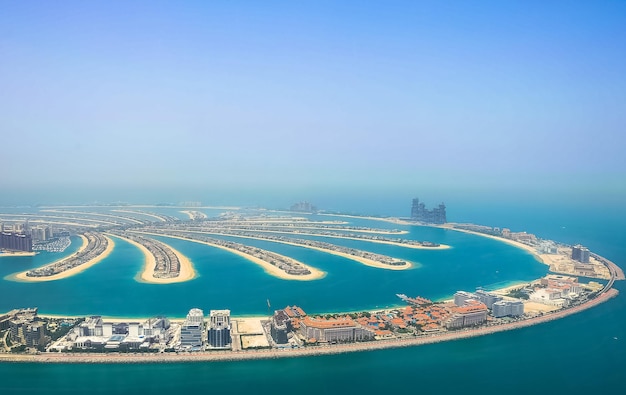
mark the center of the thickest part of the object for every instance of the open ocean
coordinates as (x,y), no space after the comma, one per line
(584,353)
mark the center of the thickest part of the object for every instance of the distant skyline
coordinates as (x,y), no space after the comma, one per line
(408,96)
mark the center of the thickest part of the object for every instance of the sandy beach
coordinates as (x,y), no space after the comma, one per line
(315,274)
(193,214)
(364,261)
(73,271)
(187,271)
(517,244)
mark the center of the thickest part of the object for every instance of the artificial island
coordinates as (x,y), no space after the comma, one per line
(288,331)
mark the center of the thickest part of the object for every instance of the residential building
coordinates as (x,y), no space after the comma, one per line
(580,253)
(16,242)
(280,327)
(219,329)
(487,298)
(192,330)
(34,334)
(460,297)
(505,308)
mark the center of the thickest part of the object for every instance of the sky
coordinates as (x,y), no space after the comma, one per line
(438,96)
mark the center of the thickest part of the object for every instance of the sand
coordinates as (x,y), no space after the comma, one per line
(73,271)
(192,214)
(16,253)
(392,220)
(364,261)
(517,244)
(250,325)
(141,213)
(95,215)
(147,206)
(72,218)
(506,290)
(296,227)
(535,307)
(393,243)
(186,273)
(315,274)
(83,225)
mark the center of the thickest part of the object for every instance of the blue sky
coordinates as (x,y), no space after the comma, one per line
(398,95)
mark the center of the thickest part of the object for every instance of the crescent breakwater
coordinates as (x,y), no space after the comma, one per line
(300,352)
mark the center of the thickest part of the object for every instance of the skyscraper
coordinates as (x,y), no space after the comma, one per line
(435,216)
(16,242)
(580,253)
(192,329)
(219,329)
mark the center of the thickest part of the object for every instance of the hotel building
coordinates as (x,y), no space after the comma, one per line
(472,313)
(333,330)
(435,216)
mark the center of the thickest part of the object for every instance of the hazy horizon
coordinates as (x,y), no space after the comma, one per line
(522,100)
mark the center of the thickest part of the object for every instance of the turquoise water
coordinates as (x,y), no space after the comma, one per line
(229,281)
(584,353)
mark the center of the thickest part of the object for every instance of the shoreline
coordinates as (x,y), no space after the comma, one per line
(272,270)
(214,356)
(92,214)
(186,273)
(192,214)
(393,243)
(16,253)
(363,261)
(514,243)
(393,220)
(70,272)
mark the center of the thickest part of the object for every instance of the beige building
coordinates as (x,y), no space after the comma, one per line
(333,330)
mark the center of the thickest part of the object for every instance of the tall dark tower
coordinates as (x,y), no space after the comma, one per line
(415,209)
(439,214)
(435,216)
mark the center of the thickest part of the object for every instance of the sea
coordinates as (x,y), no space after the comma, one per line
(583,353)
